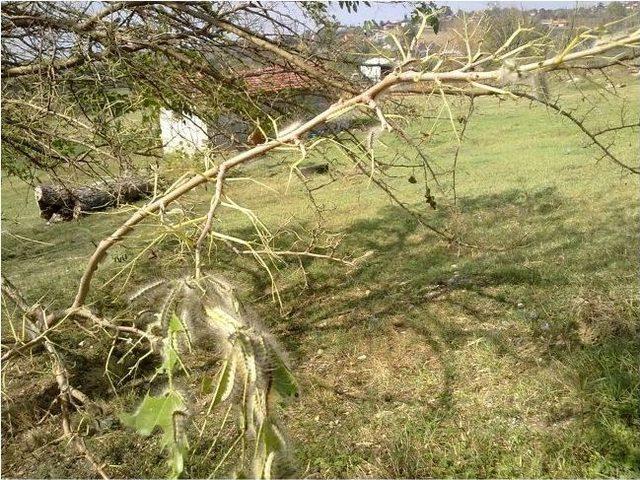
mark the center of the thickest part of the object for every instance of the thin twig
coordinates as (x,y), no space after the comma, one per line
(465,122)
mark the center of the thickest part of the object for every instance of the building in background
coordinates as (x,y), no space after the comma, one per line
(376,68)
(282,94)
(182,132)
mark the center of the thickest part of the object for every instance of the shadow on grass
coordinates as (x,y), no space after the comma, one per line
(525,296)
(450,300)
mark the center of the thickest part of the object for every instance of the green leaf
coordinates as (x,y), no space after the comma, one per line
(175,325)
(169,353)
(177,462)
(273,440)
(283,381)
(225,382)
(435,24)
(165,412)
(206,386)
(170,357)
(154,412)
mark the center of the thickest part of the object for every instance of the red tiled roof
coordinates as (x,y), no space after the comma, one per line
(274,79)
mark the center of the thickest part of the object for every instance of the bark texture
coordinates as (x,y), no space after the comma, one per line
(62,203)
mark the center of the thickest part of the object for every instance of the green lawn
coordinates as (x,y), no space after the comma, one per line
(518,358)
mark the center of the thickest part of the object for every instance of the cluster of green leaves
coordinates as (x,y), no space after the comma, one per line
(428,10)
(166,411)
(318,10)
(351,5)
(255,367)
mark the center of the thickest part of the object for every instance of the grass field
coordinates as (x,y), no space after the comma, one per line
(515,359)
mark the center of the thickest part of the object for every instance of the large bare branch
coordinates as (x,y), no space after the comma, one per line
(366,98)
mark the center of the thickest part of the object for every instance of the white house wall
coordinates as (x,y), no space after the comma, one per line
(186,133)
(374,68)
(372,72)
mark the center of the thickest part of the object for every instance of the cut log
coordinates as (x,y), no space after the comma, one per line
(62,203)
(54,200)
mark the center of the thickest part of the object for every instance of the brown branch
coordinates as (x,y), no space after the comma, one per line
(292,253)
(37,317)
(616,128)
(267,45)
(458,146)
(87,28)
(66,391)
(215,201)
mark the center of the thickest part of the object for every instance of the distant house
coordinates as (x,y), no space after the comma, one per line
(555,22)
(376,68)
(390,25)
(282,93)
(182,132)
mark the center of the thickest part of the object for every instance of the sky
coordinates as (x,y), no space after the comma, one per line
(396,11)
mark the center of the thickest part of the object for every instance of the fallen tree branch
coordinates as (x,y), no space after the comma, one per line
(66,391)
(333,111)
(58,202)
